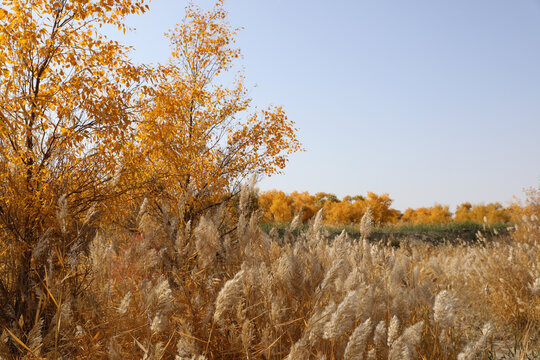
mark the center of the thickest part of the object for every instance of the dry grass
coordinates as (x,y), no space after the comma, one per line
(188,293)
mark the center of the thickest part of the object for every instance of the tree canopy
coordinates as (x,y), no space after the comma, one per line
(83,130)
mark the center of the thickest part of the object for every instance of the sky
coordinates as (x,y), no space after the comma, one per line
(428,101)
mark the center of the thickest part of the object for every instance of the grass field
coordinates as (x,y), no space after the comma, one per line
(171,292)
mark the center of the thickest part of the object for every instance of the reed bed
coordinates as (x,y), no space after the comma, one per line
(188,292)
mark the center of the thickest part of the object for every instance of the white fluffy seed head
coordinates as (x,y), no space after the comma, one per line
(413,334)
(380,333)
(100,253)
(358,341)
(318,321)
(340,267)
(244,198)
(366,223)
(186,347)
(393,330)
(470,351)
(35,339)
(162,294)
(444,309)
(247,334)
(299,350)
(404,347)
(159,323)
(296,222)
(206,242)
(487,330)
(229,297)
(316,225)
(343,319)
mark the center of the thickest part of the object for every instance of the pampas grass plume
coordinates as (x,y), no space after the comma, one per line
(366,223)
(343,319)
(393,330)
(358,341)
(380,333)
(228,297)
(443,309)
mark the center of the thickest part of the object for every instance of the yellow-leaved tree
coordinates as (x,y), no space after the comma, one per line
(200,135)
(65,115)
(492,213)
(437,214)
(83,130)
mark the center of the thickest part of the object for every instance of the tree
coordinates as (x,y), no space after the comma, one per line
(437,214)
(493,213)
(321,198)
(440,214)
(82,130)
(66,105)
(351,209)
(276,206)
(200,135)
(305,203)
(382,213)
(463,212)
(527,216)
(342,212)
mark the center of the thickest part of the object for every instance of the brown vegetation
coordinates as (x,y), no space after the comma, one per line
(169,291)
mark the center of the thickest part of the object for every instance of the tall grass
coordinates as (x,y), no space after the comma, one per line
(166,292)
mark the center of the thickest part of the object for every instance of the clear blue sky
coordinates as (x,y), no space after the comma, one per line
(429,101)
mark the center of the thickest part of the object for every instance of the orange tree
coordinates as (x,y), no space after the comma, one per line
(305,203)
(347,211)
(280,207)
(81,126)
(277,206)
(382,213)
(65,114)
(200,135)
(321,198)
(493,213)
(351,209)
(437,214)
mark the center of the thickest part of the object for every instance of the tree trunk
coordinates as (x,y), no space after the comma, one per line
(25,296)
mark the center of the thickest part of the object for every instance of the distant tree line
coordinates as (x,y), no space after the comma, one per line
(280,207)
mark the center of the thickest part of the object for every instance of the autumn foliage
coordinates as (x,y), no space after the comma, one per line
(279,207)
(86,137)
(198,134)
